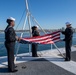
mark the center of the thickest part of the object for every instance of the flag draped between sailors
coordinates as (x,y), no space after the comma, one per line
(45,39)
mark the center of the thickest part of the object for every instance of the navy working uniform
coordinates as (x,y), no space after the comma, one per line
(68,42)
(34,46)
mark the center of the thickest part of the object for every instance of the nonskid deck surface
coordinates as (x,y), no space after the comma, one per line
(50,62)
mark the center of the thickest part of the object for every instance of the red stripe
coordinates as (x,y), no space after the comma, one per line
(46,42)
(56,38)
(55,35)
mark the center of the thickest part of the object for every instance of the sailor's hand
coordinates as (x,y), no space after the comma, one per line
(19,39)
(62,39)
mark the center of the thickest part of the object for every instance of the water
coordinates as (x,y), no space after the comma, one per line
(24,48)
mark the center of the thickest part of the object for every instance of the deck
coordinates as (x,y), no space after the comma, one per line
(50,62)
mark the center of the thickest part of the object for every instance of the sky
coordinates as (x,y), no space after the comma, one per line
(50,14)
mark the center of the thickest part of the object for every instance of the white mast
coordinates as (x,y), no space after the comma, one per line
(29,24)
(28,16)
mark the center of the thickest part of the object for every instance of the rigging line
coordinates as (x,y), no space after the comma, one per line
(59,50)
(20,20)
(33,22)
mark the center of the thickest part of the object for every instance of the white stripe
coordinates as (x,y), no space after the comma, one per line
(56,40)
(44,41)
(53,41)
(55,37)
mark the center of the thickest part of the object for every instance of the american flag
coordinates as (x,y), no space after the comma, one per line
(45,39)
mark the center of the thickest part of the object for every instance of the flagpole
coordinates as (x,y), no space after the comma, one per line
(29,23)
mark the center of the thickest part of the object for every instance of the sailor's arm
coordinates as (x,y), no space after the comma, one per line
(63,32)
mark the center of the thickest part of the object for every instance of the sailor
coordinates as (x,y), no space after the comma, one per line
(68,40)
(10,39)
(35,33)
